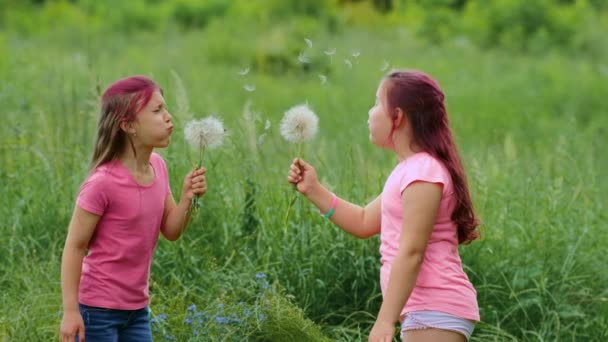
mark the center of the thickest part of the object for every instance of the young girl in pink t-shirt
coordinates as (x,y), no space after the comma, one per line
(123,205)
(423,213)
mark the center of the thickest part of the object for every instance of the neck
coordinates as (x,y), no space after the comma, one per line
(138,160)
(402,146)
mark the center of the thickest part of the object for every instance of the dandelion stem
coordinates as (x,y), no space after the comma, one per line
(295,188)
(195,205)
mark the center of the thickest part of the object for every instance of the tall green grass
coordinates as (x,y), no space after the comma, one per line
(531,131)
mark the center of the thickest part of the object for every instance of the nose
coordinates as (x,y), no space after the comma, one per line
(169,116)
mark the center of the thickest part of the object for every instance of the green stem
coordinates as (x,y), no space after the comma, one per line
(201,150)
(295,188)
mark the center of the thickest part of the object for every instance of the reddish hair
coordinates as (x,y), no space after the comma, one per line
(422,101)
(136,90)
(120,102)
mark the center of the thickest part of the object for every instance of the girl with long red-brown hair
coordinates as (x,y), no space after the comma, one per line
(423,213)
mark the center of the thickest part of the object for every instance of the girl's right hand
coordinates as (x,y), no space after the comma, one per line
(72,325)
(303,176)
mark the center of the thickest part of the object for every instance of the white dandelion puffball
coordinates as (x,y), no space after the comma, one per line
(208,132)
(299,124)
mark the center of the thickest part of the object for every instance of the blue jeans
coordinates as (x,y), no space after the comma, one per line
(109,325)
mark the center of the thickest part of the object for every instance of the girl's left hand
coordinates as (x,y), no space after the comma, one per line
(382,332)
(195,184)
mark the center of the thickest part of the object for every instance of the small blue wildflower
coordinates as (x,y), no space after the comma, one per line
(241,303)
(188,320)
(260,275)
(261,317)
(220,306)
(247,312)
(169,337)
(222,320)
(192,307)
(234,318)
(158,319)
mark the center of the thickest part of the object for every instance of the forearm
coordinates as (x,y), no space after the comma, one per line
(348,216)
(71,268)
(401,283)
(177,220)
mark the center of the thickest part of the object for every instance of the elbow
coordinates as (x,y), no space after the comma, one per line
(171,236)
(365,235)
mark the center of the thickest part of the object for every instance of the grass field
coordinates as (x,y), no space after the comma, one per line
(531,130)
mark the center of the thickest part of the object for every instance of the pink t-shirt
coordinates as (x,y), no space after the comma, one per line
(116,270)
(442,284)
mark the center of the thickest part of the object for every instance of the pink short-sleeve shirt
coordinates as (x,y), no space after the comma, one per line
(116,270)
(442,285)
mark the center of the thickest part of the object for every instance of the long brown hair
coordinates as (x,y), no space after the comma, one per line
(422,101)
(119,103)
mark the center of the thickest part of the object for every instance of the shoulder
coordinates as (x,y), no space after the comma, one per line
(99,176)
(424,162)
(424,167)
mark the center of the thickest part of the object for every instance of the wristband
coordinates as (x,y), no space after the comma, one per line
(334,201)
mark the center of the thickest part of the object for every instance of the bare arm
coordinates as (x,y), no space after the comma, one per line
(361,222)
(81,228)
(420,205)
(177,215)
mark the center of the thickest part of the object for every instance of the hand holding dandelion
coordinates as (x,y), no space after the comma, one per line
(299,124)
(202,134)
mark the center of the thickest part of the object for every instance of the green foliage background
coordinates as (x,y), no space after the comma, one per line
(525,84)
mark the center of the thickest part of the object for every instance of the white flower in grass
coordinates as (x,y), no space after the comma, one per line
(205,133)
(299,124)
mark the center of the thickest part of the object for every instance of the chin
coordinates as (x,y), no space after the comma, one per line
(164,144)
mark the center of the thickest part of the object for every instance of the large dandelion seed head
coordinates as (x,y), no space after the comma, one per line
(208,132)
(299,124)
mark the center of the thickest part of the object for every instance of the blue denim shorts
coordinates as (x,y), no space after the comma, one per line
(417,320)
(110,325)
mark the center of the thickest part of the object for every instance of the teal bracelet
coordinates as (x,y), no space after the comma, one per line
(334,201)
(329,213)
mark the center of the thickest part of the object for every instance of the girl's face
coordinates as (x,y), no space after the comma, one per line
(153,125)
(379,121)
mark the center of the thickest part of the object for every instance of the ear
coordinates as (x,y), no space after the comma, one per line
(400,118)
(127,127)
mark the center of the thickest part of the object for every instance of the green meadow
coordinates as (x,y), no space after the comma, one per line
(531,128)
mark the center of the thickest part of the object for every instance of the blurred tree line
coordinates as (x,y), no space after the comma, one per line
(521,25)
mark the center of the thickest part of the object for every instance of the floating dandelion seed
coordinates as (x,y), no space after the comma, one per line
(267,125)
(302,59)
(330,53)
(385,65)
(308,43)
(244,71)
(348,63)
(299,124)
(356,54)
(323,79)
(249,87)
